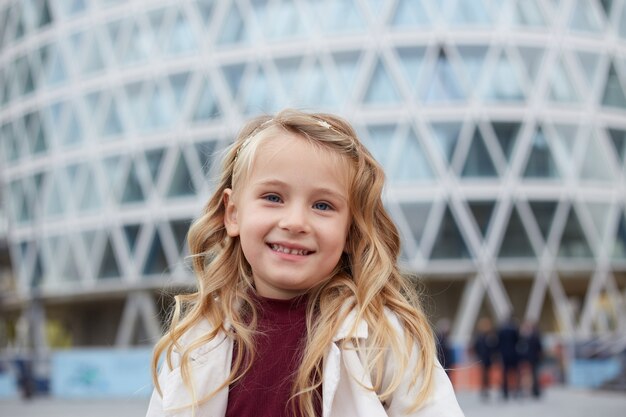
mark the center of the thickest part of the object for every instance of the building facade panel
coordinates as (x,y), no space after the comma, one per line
(501,127)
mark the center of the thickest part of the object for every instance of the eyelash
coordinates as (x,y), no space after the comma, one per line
(273,198)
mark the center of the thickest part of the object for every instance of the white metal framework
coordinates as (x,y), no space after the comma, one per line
(501,126)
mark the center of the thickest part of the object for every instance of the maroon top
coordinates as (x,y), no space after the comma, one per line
(264,391)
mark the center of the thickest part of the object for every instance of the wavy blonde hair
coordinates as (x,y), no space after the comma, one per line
(366,279)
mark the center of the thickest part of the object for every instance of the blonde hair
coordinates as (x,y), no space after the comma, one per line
(366,279)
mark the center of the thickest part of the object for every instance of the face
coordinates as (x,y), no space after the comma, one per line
(291,215)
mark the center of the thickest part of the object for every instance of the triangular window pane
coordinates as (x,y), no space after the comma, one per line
(449,243)
(416,215)
(599,213)
(114,172)
(55,71)
(288,70)
(575,288)
(470,12)
(180,228)
(205,7)
(381,88)
(89,238)
(131,231)
(179,88)
(595,164)
(93,61)
(112,125)
(181,39)
(71,271)
(505,84)
(260,95)
(622,24)
(206,107)
(233,75)
(410,13)
(473,57)
(589,63)
(573,241)
(133,192)
(94,101)
(506,133)
(413,164)
(29,83)
(412,60)
(528,13)
(613,92)
(181,184)
(136,102)
(340,16)
(379,141)
(482,212)
(38,273)
(478,162)
(446,138)
(113,31)
(515,242)
(233,28)
(91,199)
(544,215)
(561,87)
(566,140)
(45,18)
(347,65)
(618,138)
(285,22)
(619,248)
(607,6)
(74,132)
(156,262)
(160,109)
(540,163)
(317,92)
(443,84)
(205,152)
(154,157)
(139,45)
(531,59)
(56,204)
(585,18)
(109,267)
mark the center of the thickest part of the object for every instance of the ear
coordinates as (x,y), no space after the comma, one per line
(230,213)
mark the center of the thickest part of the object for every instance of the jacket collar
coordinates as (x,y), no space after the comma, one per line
(352,326)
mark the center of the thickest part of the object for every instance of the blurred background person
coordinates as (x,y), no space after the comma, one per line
(508,339)
(530,350)
(485,346)
(445,353)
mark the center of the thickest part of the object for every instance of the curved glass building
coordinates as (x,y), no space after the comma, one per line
(501,126)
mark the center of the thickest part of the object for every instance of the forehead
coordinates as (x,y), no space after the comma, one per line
(279,150)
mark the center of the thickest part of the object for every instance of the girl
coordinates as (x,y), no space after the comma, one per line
(300,308)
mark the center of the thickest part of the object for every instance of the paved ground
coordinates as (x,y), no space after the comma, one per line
(557,402)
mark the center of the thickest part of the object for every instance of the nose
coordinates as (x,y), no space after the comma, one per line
(295,219)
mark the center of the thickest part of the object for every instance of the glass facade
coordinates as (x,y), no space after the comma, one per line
(501,126)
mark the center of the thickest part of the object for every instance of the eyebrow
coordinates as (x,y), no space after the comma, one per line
(321,190)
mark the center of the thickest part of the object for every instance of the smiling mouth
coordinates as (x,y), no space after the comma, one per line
(289,251)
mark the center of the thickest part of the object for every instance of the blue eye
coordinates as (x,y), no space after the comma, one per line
(272,198)
(322,206)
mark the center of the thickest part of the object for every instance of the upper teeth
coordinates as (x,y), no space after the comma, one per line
(289,251)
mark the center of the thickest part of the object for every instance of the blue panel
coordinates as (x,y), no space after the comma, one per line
(101,373)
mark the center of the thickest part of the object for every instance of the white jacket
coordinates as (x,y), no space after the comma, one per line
(342,392)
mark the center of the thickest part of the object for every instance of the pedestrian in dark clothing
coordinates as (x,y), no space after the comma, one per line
(508,338)
(485,345)
(530,350)
(445,354)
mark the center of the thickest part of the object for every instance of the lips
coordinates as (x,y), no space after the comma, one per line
(289,250)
